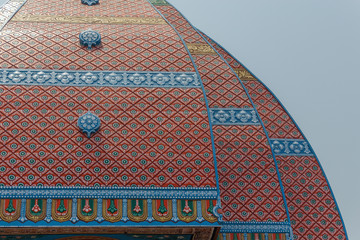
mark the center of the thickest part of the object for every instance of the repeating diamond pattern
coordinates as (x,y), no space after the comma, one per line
(124,48)
(108,8)
(148,137)
(250,188)
(313,210)
(181,24)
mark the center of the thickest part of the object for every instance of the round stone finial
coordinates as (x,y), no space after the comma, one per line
(89,123)
(90,38)
(90,2)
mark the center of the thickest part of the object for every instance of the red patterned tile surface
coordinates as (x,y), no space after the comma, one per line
(109,8)
(186,31)
(313,211)
(276,120)
(124,47)
(149,137)
(250,188)
(221,85)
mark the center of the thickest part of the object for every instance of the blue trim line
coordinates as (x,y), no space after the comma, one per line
(317,159)
(108,192)
(255,227)
(234,116)
(207,107)
(99,78)
(11,16)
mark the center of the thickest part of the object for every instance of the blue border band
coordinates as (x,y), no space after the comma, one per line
(108,192)
(99,78)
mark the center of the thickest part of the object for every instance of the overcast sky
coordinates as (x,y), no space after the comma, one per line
(308,53)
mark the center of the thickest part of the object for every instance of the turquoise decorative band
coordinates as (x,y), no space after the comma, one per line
(108,192)
(255,227)
(99,78)
(233,116)
(291,147)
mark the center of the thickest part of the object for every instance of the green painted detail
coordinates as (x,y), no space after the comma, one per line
(10,208)
(61,207)
(87,210)
(162,209)
(235,237)
(211,207)
(187,210)
(137,209)
(112,207)
(159,2)
(36,209)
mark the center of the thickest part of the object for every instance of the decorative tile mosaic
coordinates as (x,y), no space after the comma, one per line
(250,189)
(109,8)
(179,22)
(313,211)
(222,87)
(233,116)
(124,48)
(149,137)
(97,78)
(8,10)
(89,20)
(290,147)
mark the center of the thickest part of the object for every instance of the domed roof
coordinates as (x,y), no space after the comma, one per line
(122,114)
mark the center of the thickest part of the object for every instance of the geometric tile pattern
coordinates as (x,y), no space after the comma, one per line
(184,28)
(312,208)
(240,159)
(277,122)
(250,189)
(56,46)
(110,8)
(148,137)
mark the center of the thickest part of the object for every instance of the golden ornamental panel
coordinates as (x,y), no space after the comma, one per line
(207,207)
(35,209)
(162,210)
(61,210)
(244,75)
(112,210)
(187,210)
(87,209)
(200,49)
(137,210)
(10,209)
(89,20)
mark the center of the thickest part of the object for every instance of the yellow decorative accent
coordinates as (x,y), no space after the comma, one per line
(14,216)
(112,218)
(187,218)
(162,218)
(35,218)
(84,218)
(210,218)
(89,20)
(61,218)
(244,75)
(200,49)
(137,218)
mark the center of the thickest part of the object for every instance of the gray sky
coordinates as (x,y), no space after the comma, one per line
(306,52)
